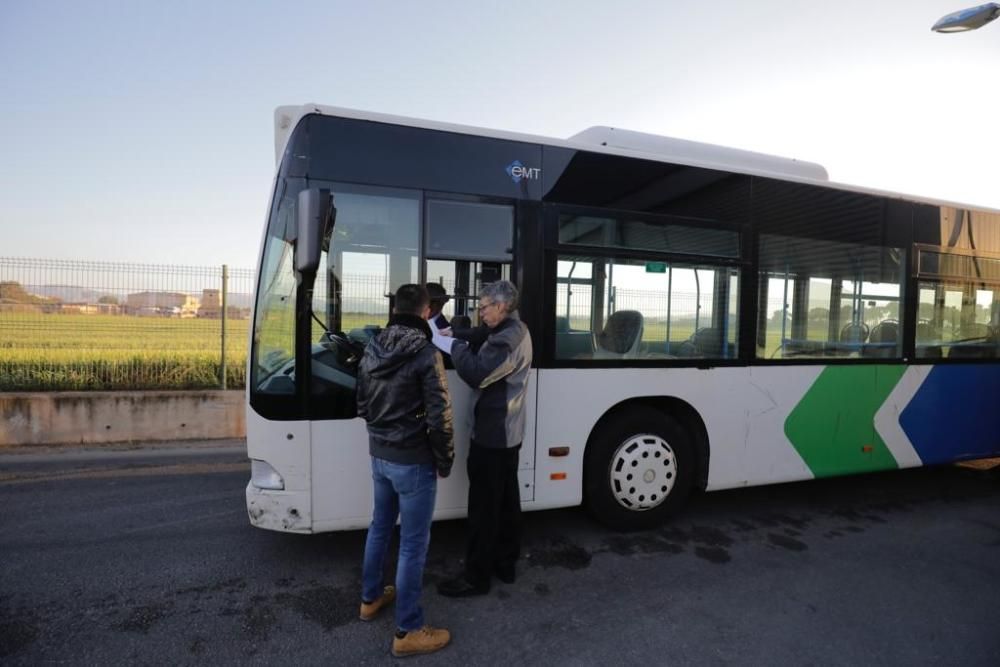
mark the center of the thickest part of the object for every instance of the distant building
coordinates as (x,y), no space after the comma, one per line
(211,307)
(79,308)
(167,304)
(109,309)
(211,304)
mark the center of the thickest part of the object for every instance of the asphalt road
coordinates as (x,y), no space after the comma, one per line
(146,557)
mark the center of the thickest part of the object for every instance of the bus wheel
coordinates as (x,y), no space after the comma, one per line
(639,469)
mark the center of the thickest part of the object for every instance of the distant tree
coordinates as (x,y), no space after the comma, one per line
(11,291)
(109,299)
(819,314)
(8,290)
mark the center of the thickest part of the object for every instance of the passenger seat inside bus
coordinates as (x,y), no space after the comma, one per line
(928,341)
(572,343)
(622,335)
(883,341)
(854,332)
(705,343)
(709,342)
(975,341)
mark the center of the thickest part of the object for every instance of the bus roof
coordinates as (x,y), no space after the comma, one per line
(682,150)
(614,141)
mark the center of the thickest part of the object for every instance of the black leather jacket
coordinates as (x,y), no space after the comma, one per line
(403,396)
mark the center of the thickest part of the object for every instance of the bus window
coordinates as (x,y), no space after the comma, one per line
(373,251)
(959,303)
(958,321)
(656,236)
(461,280)
(635,309)
(272,370)
(467,244)
(826,298)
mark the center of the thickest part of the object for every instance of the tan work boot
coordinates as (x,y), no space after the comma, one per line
(424,640)
(369,610)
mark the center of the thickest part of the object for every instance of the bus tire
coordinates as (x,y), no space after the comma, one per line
(639,468)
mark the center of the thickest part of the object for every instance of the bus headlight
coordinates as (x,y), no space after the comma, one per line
(263,476)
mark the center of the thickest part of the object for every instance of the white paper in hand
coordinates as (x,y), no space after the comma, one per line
(442,343)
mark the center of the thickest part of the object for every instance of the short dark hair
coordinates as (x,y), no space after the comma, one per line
(437,293)
(411,299)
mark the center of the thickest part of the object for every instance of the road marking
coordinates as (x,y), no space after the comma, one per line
(105,473)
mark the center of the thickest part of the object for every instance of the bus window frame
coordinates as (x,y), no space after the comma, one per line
(554,249)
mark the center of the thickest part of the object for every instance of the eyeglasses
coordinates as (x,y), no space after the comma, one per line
(484,306)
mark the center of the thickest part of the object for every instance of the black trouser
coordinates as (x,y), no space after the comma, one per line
(494,513)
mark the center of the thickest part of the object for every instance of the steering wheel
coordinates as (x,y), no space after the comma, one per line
(352,349)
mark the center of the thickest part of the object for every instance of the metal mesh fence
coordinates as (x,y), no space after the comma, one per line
(683,310)
(75,325)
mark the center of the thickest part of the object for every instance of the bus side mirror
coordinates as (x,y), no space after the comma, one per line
(315,220)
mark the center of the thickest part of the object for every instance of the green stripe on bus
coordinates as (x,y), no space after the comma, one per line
(833,426)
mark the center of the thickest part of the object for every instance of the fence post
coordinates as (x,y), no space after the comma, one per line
(225,307)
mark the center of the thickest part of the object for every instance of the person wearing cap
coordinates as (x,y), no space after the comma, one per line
(439,297)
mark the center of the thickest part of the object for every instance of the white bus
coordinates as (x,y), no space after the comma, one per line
(702,318)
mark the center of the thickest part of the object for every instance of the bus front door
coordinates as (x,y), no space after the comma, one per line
(467,244)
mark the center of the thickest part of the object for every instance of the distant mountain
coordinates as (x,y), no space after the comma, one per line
(69,293)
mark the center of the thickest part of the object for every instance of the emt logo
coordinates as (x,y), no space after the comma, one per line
(517,171)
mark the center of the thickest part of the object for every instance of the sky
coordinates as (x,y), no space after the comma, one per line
(143,131)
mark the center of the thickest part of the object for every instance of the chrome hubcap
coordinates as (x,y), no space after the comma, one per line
(643,472)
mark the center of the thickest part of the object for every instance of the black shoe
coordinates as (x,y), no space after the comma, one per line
(460,587)
(505,574)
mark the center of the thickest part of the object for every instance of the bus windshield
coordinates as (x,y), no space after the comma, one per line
(273,350)
(372,252)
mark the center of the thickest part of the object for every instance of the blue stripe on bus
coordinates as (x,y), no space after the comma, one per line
(955,415)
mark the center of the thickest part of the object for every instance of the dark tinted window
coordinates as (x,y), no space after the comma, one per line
(645,235)
(795,209)
(469,230)
(357,151)
(628,184)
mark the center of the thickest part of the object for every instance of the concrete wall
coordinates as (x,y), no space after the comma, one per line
(85,417)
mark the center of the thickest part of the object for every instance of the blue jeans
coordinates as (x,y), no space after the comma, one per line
(406,490)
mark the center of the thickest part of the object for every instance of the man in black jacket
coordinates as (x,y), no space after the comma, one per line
(403,397)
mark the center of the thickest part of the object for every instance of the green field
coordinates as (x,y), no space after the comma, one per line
(52,352)
(49,352)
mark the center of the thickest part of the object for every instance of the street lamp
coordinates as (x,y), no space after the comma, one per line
(967,19)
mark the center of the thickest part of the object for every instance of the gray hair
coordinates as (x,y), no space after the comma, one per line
(502,291)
